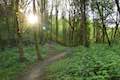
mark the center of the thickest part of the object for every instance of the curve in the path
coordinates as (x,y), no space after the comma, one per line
(36,72)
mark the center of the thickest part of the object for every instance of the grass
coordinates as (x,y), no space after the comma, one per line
(58,47)
(10,66)
(99,62)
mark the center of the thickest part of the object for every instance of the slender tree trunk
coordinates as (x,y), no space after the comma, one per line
(1,43)
(51,28)
(8,29)
(69,33)
(35,35)
(118,7)
(112,33)
(7,21)
(56,20)
(94,26)
(19,36)
(103,24)
(116,28)
(64,28)
(83,24)
(37,48)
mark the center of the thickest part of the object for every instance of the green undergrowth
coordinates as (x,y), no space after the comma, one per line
(10,66)
(59,48)
(99,62)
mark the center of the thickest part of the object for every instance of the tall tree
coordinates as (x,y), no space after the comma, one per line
(51,20)
(56,18)
(117,18)
(64,27)
(101,14)
(7,20)
(36,34)
(103,9)
(18,31)
(118,6)
(83,32)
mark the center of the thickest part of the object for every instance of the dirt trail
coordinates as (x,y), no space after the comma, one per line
(36,72)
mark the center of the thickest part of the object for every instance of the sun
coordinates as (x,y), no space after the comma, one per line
(32,19)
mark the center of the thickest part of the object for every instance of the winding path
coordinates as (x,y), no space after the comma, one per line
(37,71)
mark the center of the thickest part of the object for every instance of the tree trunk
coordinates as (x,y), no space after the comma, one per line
(19,36)
(118,7)
(64,28)
(51,28)
(103,25)
(35,35)
(83,32)
(56,20)
(7,21)
(37,45)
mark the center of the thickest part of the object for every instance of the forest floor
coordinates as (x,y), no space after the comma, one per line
(37,71)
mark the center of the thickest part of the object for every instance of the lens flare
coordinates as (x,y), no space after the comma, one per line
(32,19)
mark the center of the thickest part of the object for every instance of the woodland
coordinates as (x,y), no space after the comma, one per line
(59,39)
